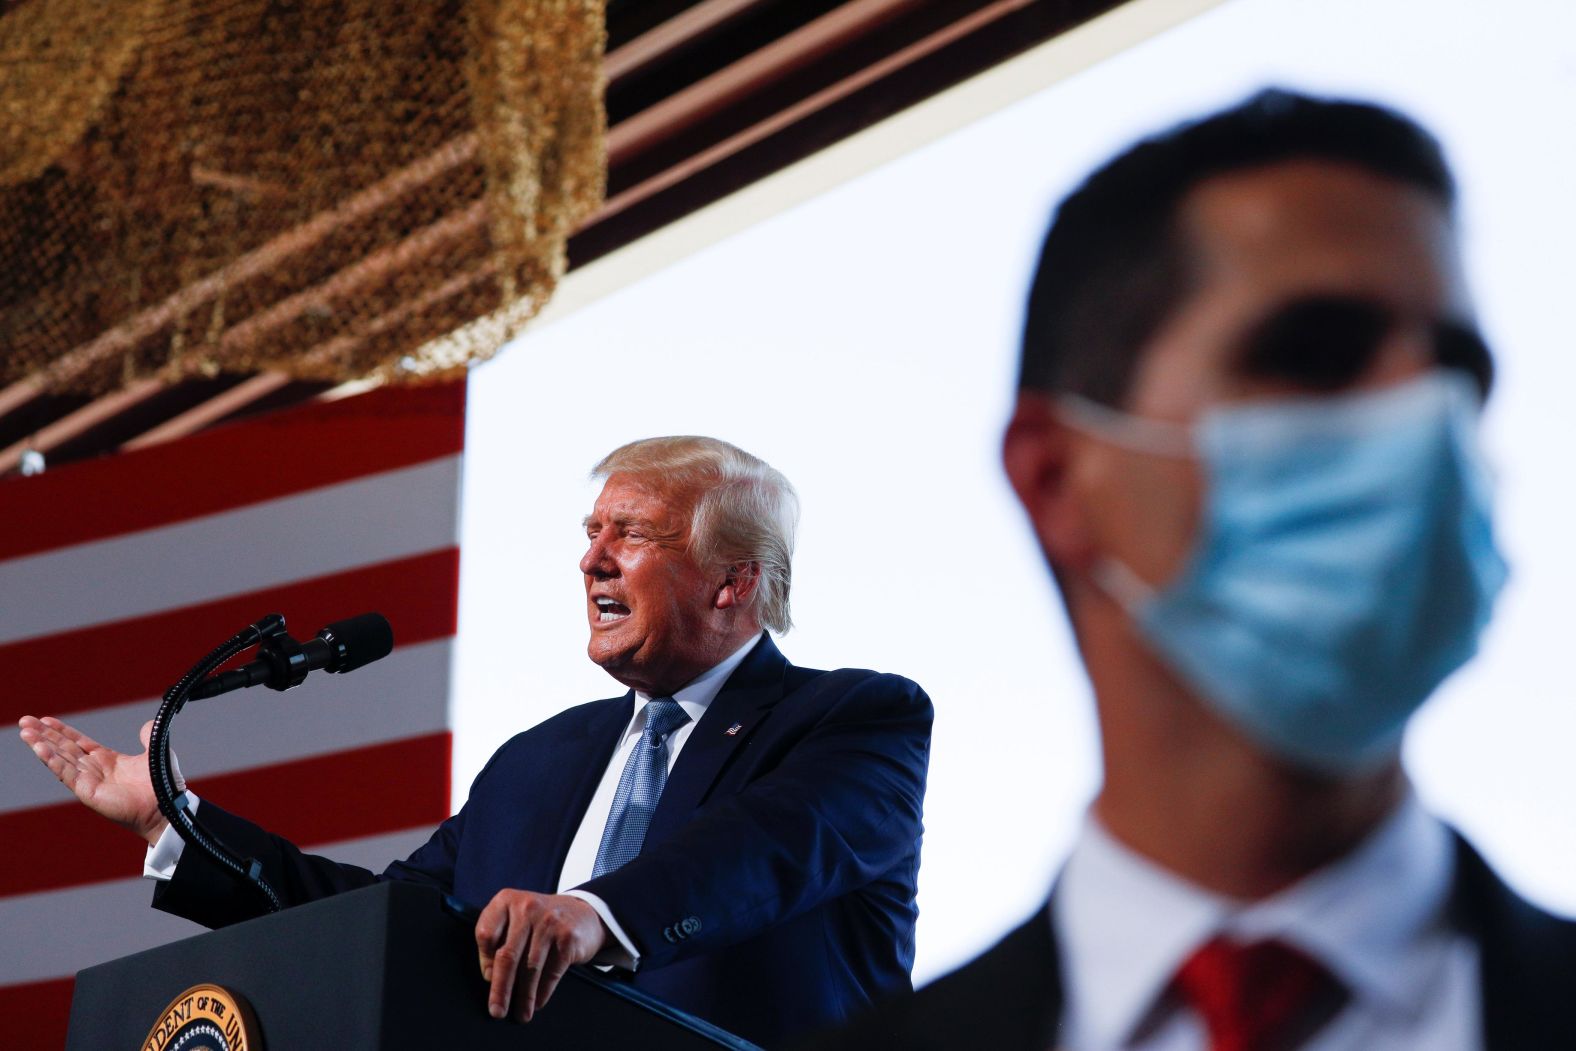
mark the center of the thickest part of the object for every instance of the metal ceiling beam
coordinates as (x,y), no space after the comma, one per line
(683,28)
(79,422)
(772,62)
(211,411)
(741,140)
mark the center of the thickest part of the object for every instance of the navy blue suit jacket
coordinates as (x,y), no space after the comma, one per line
(775,891)
(1010,998)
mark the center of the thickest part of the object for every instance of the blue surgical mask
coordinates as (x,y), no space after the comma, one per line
(1344,562)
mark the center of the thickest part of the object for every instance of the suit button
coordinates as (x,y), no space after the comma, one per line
(690,925)
(670,935)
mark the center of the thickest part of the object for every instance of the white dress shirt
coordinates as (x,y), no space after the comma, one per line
(581,859)
(695,698)
(1376,919)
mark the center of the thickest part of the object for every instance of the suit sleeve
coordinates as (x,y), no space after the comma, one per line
(841,809)
(204,892)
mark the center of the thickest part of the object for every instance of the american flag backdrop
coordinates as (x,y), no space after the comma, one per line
(117,574)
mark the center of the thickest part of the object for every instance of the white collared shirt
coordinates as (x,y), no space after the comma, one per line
(581,859)
(1377,919)
(695,698)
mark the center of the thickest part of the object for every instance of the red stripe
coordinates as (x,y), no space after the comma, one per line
(128,660)
(33,1016)
(273,455)
(321,799)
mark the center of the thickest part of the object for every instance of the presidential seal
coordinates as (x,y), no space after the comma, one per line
(205,1018)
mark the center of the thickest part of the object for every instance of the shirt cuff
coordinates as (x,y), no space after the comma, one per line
(162,857)
(623,954)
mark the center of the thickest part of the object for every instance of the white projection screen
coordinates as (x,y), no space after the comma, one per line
(863,341)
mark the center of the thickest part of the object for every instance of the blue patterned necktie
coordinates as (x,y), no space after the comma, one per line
(639,786)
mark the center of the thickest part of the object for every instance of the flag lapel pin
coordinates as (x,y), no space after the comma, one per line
(733,731)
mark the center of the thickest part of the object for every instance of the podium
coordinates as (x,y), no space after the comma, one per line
(388,967)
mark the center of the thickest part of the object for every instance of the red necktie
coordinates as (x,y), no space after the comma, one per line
(1254,997)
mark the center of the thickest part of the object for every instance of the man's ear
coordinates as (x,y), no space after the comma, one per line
(1037,452)
(738,585)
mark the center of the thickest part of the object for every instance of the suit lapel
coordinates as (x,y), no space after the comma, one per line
(577,768)
(745,698)
(1526,959)
(1045,966)
(1010,997)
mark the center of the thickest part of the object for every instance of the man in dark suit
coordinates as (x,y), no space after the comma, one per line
(1246,440)
(738,834)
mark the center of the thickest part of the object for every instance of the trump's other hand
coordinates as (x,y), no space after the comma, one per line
(527,941)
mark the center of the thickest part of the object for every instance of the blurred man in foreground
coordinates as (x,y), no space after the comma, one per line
(1246,439)
(740,833)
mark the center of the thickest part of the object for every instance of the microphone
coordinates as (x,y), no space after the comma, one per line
(282,662)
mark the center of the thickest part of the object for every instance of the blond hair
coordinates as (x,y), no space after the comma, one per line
(745,511)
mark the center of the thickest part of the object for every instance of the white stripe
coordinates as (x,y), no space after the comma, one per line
(373,519)
(56,933)
(403,695)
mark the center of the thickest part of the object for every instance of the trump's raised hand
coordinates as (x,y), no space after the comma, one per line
(114,784)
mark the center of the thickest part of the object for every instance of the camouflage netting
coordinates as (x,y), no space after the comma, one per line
(329,188)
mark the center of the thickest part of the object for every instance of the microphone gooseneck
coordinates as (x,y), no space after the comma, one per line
(173,804)
(282,663)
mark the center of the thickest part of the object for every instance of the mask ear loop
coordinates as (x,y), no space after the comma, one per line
(1121,584)
(1135,433)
